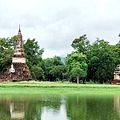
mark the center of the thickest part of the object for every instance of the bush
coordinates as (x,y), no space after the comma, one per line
(37,73)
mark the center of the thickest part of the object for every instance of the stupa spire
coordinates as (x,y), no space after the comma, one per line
(19,36)
(19,28)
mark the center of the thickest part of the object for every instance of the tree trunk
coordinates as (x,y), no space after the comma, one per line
(77,79)
(84,81)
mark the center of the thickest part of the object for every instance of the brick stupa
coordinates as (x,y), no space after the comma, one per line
(117,75)
(18,70)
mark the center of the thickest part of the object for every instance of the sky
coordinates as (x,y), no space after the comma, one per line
(56,23)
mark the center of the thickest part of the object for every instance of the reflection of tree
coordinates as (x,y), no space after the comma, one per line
(117,104)
(52,102)
(4,110)
(76,108)
(33,112)
(100,108)
(35,108)
(91,108)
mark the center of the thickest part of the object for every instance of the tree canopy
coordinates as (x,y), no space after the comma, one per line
(77,66)
(88,62)
(7,47)
(54,69)
(101,61)
(81,44)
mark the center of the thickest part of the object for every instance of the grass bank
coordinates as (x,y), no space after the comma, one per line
(33,87)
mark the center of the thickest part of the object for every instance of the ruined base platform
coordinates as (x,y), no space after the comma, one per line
(21,73)
(116,82)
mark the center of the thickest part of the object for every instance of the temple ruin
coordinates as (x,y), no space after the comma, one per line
(18,71)
(116,75)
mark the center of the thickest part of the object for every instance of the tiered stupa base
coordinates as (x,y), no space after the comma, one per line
(116,75)
(116,82)
(21,73)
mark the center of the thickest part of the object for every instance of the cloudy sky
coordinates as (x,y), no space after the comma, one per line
(56,23)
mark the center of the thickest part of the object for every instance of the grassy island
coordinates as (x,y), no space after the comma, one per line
(33,87)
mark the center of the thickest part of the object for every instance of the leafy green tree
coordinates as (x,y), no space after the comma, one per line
(35,62)
(77,66)
(81,44)
(7,47)
(116,50)
(33,53)
(37,73)
(54,69)
(58,71)
(101,62)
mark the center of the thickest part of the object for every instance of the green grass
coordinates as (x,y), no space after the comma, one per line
(33,87)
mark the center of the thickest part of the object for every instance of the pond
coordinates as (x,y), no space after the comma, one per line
(59,107)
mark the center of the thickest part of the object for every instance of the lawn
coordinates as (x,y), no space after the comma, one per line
(33,87)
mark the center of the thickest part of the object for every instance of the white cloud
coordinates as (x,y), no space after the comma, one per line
(56,23)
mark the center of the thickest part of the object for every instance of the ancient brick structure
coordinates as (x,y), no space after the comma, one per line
(116,75)
(18,71)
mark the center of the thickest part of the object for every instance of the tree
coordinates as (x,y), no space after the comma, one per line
(101,62)
(34,61)
(116,50)
(37,73)
(54,69)
(58,71)
(81,44)
(77,66)
(33,53)
(7,47)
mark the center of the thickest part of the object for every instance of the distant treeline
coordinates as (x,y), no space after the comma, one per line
(88,62)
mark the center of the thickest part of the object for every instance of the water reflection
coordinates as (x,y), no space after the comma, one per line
(59,107)
(117,104)
(54,115)
(17,110)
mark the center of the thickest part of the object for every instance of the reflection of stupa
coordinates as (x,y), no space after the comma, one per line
(17,110)
(117,104)
(18,70)
(116,75)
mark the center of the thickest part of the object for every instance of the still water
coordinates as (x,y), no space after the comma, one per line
(59,107)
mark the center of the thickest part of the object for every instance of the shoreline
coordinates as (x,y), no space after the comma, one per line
(33,87)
